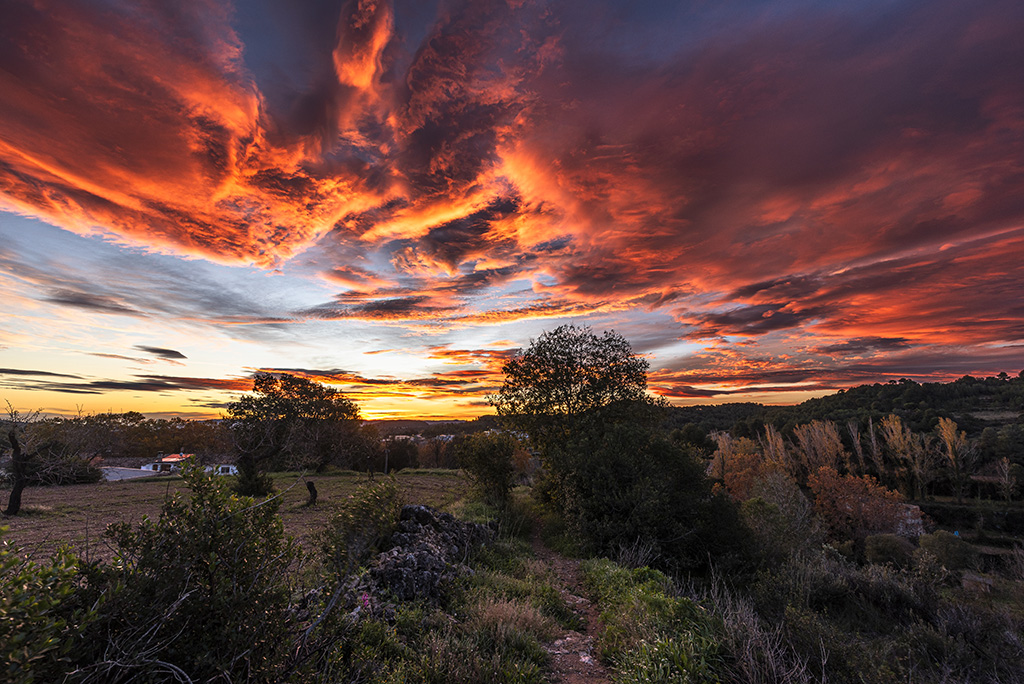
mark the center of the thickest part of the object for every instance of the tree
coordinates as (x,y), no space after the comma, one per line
(959,454)
(46,452)
(566,374)
(289,420)
(913,453)
(569,382)
(854,507)
(819,445)
(19,471)
(632,491)
(488,459)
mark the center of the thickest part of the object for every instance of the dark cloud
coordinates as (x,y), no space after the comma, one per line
(20,372)
(864,345)
(92,302)
(160,352)
(751,320)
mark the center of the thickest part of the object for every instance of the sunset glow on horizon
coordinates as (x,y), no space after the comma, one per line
(770,200)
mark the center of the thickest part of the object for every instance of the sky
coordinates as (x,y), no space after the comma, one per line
(770,200)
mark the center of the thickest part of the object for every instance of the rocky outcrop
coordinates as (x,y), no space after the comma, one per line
(427,552)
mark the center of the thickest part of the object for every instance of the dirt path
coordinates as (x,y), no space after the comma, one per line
(573,657)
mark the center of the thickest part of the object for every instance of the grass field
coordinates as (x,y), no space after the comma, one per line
(78,515)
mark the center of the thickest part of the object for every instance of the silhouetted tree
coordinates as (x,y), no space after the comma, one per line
(571,381)
(289,420)
(565,374)
(19,474)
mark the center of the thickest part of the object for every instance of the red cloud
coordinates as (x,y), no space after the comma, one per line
(797,182)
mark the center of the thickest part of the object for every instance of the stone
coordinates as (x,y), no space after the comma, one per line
(426,553)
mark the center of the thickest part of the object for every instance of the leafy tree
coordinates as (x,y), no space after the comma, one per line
(566,374)
(289,420)
(488,458)
(568,382)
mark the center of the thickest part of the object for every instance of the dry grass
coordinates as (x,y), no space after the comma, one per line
(78,515)
(505,614)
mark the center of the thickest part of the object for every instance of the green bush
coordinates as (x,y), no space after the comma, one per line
(632,487)
(365,520)
(888,548)
(951,551)
(487,458)
(650,635)
(40,624)
(202,591)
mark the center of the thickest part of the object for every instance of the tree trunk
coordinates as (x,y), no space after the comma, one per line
(312,492)
(19,475)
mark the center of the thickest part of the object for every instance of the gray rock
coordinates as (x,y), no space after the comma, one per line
(426,554)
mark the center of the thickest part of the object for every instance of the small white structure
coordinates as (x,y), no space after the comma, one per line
(161,467)
(169,464)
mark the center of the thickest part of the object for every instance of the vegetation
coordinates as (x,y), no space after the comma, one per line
(289,422)
(566,376)
(873,536)
(489,458)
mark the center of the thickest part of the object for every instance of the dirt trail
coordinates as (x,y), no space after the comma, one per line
(573,656)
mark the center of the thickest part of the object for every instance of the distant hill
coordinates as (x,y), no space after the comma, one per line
(976,404)
(429,428)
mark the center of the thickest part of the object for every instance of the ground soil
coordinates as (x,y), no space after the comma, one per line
(573,655)
(78,515)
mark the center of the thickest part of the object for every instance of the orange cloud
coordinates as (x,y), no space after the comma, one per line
(806,184)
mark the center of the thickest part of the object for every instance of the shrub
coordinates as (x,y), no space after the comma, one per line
(365,520)
(630,486)
(779,518)
(488,459)
(40,625)
(854,506)
(950,550)
(61,469)
(888,548)
(202,591)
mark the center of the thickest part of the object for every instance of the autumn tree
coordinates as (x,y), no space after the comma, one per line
(853,428)
(854,507)
(819,445)
(738,463)
(959,453)
(912,455)
(773,446)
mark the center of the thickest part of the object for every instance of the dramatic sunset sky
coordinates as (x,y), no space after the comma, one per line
(770,200)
